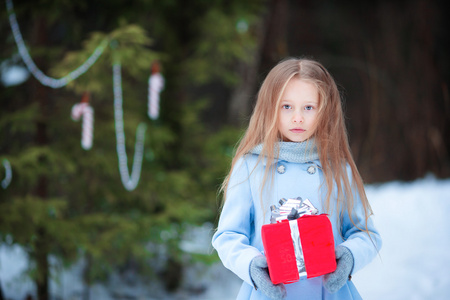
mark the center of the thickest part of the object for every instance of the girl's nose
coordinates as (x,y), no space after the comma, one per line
(297,117)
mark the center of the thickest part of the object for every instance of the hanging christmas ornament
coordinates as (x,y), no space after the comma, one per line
(37,73)
(155,86)
(85,111)
(8,174)
(129,181)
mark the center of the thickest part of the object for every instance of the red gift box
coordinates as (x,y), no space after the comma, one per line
(288,262)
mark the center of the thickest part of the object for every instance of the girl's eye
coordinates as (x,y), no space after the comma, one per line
(286,106)
(309,107)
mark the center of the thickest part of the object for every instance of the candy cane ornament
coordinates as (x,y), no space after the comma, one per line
(85,111)
(155,86)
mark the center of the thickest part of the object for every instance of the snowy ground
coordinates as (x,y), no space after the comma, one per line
(414,263)
(414,222)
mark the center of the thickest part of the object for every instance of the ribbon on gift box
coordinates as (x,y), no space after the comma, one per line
(297,242)
(291,209)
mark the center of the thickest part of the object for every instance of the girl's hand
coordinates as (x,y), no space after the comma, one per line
(333,282)
(259,273)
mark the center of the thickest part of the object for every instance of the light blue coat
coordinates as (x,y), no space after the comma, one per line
(238,237)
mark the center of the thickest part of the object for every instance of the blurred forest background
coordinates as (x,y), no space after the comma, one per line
(390,59)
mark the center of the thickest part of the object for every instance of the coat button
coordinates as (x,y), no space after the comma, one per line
(281,169)
(311,170)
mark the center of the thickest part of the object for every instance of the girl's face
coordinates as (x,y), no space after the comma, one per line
(298,111)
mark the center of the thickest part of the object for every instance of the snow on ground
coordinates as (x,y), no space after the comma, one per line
(414,222)
(414,262)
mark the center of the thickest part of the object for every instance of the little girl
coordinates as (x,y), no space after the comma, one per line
(295,146)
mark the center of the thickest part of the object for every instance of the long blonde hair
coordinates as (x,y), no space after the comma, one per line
(330,136)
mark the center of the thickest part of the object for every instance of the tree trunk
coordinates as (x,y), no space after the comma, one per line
(41,254)
(86,277)
(1,291)
(40,95)
(244,94)
(274,45)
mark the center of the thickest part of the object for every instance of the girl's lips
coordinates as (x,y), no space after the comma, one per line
(297,130)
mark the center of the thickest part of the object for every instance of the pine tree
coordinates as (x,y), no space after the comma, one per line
(69,203)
